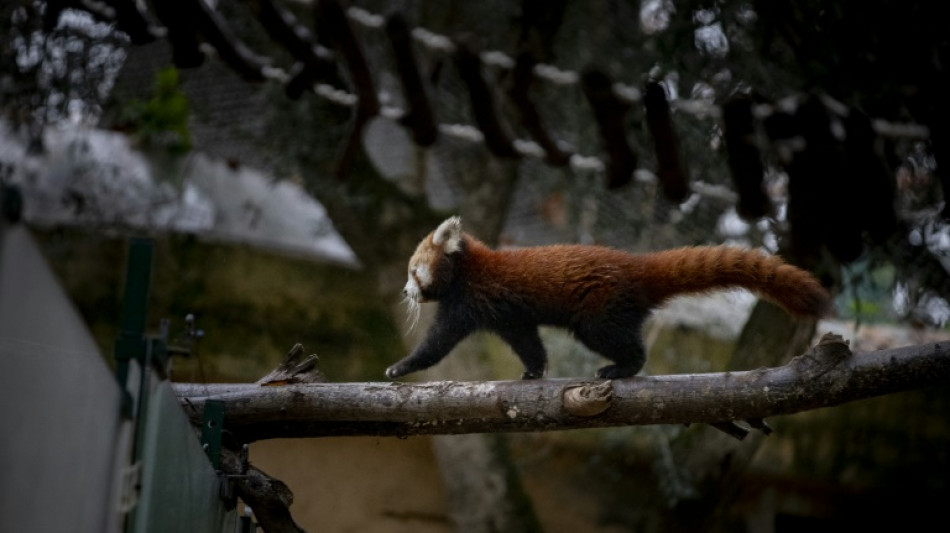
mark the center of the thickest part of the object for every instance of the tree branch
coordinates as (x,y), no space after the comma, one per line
(826,375)
(269,498)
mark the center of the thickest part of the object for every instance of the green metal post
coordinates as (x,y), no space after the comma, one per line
(131,343)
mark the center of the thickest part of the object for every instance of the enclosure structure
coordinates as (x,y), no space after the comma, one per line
(82,450)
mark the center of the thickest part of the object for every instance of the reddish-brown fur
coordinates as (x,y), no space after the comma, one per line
(596,276)
(601,294)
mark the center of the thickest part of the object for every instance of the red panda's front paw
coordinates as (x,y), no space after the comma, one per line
(528,374)
(395,371)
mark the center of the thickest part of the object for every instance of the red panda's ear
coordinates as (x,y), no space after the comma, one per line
(448,235)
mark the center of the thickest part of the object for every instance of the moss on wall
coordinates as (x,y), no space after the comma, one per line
(253,306)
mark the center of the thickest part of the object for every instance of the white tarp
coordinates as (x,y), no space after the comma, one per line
(94,178)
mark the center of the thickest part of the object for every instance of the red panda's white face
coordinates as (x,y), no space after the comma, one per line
(430,267)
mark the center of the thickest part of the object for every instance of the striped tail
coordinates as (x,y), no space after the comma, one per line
(706,268)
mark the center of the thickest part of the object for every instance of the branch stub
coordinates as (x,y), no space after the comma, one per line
(589,399)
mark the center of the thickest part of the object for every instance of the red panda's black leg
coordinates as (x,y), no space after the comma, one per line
(528,347)
(444,334)
(621,345)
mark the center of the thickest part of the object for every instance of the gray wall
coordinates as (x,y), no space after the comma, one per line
(59,404)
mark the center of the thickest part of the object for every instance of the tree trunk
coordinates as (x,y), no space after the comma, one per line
(769,337)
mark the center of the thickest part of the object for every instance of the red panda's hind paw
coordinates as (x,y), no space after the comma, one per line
(532,374)
(617,372)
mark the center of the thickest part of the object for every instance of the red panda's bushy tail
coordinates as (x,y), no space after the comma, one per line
(705,268)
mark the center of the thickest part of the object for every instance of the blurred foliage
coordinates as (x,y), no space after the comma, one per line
(55,64)
(161,121)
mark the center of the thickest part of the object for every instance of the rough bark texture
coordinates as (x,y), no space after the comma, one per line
(295,368)
(268,497)
(826,375)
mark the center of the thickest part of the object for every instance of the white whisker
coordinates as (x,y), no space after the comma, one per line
(413,309)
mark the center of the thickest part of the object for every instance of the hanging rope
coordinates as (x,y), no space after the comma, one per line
(316,70)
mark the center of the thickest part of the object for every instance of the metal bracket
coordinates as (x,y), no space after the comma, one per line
(211,428)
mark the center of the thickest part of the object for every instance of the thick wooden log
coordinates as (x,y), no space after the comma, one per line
(826,375)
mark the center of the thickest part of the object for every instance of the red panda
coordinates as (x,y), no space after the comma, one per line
(601,295)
